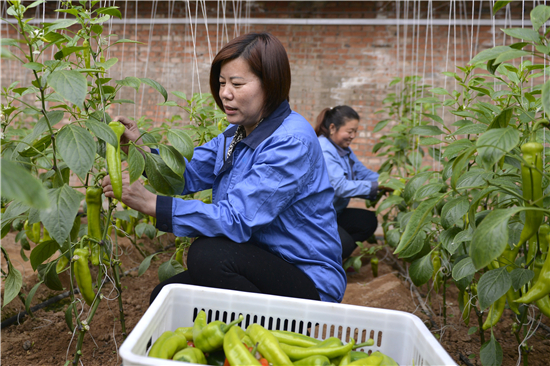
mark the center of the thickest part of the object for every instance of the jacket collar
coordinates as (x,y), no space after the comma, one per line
(264,129)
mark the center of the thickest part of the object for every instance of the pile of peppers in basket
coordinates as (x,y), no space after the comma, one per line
(221,344)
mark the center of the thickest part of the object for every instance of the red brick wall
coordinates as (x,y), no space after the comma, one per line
(331,64)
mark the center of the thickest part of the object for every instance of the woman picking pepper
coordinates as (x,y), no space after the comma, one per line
(271,227)
(336,128)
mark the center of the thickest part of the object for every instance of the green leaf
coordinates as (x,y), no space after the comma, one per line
(426,131)
(464,268)
(429,141)
(77,148)
(489,54)
(70,84)
(180,95)
(475,178)
(136,163)
(432,100)
(147,229)
(59,218)
(413,184)
(161,177)
(454,210)
(456,148)
(169,269)
(439,91)
(12,284)
(510,55)
(460,163)
(102,131)
(415,247)
(492,286)
(494,144)
(69,317)
(173,159)
(29,298)
(490,352)
(502,120)
(130,81)
(419,216)
(473,129)
(545,98)
(428,190)
(539,15)
(107,64)
(153,84)
(50,277)
(144,265)
(182,142)
(112,10)
(491,237)
(101,20)
(497,6)
(447,239)
(61,24)
(388,202)
(522,33)
(18,184)
(471,331)
(520,277)
(64,52)
(125,41)
(42,252)
(421,270)
(35,66)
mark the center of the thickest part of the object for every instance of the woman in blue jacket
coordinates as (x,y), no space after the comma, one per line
(271,227)
(336,128)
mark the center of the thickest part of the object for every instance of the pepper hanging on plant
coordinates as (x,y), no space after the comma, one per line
(82,275)
(86,53)
(32,231)
(93,212)
(532,188)
(113,160)
(374,266)
(541,287)
(436,276)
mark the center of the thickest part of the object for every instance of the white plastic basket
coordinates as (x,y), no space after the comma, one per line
(400,335)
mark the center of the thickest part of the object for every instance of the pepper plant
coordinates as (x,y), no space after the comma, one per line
(481,221)
(47,168)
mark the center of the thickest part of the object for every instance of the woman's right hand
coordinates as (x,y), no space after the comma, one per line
(131,133)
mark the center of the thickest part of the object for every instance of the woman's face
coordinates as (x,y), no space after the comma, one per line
(345,134)
(241,94)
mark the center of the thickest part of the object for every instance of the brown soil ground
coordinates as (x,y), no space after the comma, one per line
(46,340)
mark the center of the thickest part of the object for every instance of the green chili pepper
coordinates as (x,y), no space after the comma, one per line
(532,188)
(344,360)
(495,313)
(86,53)
(157,346)
(211,336)
(294,339)
(46,236)
(118,224)
(298,353)
(467,306)
(376,359)
(32,231)
(544,303)
(61,264)
(191,355)
(544,238)
(113,160)
(199,324)
(179,256)
(268,345)
(171,345)
(82,275)
(355,355)
(187,332)
(374,266)
(316,360)
(236,352)
(508,258)
(541,287)
(93,212)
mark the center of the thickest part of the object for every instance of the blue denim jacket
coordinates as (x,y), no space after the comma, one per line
(273,190)
(348,176)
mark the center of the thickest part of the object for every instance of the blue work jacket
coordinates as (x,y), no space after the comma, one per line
(349,177)
(273,191)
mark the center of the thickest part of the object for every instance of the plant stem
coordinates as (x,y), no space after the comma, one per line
(444,300)
(83,329)
(480,322)
(116,269)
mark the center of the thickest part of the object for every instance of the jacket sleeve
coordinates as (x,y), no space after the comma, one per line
(345,187)
(281,169)
(361,172)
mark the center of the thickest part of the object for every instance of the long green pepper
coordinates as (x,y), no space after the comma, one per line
(211,336)
(113,160)
(93,212)
(82,275)
(532,188)
(236,352)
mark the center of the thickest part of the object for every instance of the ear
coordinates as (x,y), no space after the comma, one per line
(332,129)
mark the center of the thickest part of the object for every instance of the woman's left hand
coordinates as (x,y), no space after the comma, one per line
(385,189)
(134,195)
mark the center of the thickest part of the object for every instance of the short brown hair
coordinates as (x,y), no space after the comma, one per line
(267,59)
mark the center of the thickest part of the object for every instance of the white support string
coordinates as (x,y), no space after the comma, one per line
(122,68)
(153,14)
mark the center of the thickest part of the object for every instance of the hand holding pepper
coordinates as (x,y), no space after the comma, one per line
(131,133)
(134,195)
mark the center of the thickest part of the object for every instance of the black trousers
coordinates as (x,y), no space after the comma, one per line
(355,224)
(223,263)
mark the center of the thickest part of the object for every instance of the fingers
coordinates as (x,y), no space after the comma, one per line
(125,121)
